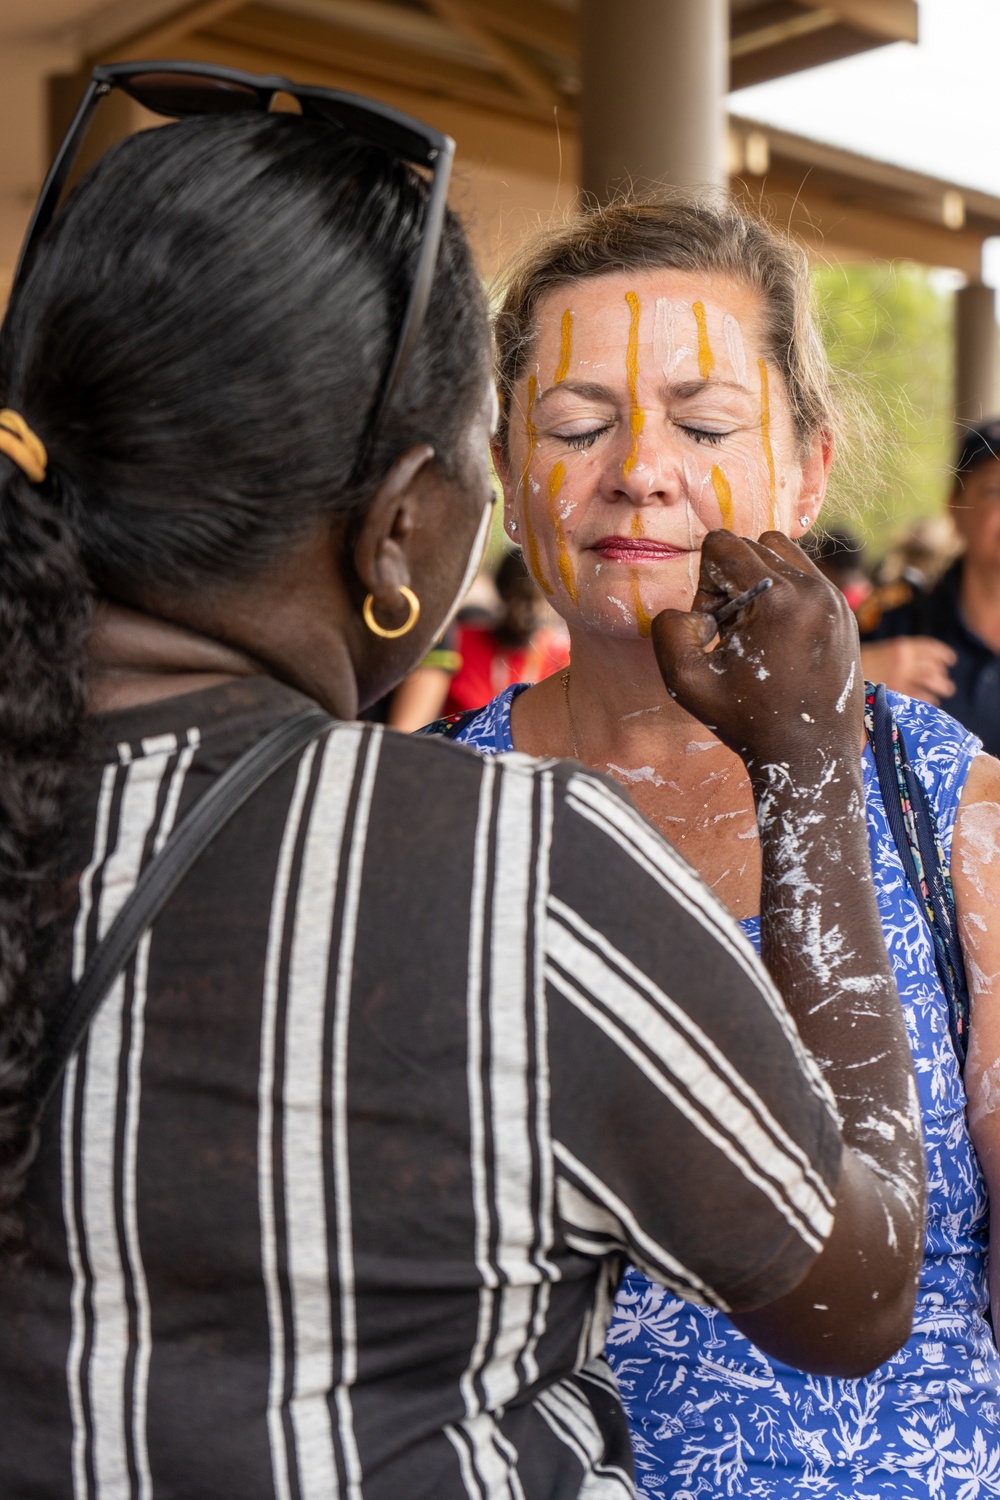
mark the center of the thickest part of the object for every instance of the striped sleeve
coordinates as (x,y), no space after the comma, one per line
(691,1129)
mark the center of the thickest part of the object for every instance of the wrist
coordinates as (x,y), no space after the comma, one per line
(828,773)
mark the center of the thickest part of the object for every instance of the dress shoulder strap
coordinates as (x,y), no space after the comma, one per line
(914,829)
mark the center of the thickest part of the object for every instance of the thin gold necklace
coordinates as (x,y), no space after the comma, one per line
(569,713)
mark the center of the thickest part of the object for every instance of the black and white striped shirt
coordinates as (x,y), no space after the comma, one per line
(338,1190)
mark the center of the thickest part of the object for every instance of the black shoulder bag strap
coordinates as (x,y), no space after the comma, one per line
(915,832)
(160,879)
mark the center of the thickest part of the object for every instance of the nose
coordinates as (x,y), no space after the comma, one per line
(643,470)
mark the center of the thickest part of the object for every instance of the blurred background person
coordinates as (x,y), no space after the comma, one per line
(526,642)
(943,643)
(921,555)
(840,556)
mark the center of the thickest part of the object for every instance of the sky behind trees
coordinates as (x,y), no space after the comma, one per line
(929,107)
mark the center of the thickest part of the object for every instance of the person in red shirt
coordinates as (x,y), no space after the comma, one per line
(517,648)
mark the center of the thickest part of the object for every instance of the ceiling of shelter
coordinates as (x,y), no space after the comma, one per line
(520,56)
(502,76)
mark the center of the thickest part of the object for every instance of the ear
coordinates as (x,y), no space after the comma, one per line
(815,466)
(501,463)
(381,543)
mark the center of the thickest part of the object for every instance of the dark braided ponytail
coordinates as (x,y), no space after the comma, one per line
(44,618)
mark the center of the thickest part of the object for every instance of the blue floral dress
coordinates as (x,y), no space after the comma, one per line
(711,1415)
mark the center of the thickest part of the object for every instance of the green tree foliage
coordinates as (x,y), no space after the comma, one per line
(889,331)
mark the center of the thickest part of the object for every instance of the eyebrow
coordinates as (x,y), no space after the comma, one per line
(684,391)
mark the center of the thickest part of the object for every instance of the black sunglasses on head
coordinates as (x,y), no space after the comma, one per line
(178,89)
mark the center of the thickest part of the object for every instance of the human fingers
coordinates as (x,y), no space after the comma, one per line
(730,564)
(929,663)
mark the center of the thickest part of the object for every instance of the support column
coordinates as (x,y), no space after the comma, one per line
(977,355)
(655,75)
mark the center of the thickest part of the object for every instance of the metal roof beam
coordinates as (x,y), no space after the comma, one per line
(535,23)
(162,34)
(890,20)
(523,75)
(292,41)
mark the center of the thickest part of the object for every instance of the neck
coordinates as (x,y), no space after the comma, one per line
(618,697)
(135,658)
(980,598)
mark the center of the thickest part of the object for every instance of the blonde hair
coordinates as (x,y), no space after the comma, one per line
(680,233)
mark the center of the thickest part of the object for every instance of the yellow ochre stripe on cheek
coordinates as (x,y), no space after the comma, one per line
(706,359)
(765,438)
(724,495)
(636,415)
(564,562)
(531,433)
(565,348)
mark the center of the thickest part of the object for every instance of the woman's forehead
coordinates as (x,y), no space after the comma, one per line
(601,304)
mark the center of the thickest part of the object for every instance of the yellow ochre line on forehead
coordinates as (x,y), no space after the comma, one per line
(765,438)
(636,415)
(706,359)
(565,348)
(724,495)
(563,560)
(531,432)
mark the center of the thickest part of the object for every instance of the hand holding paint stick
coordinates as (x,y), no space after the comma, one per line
(730,664)
(724,612)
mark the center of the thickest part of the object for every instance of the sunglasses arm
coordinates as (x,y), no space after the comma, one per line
(58,172)
(416,312)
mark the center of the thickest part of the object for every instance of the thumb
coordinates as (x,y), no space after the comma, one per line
(680,638)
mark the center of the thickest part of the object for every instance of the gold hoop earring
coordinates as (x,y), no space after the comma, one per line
(368,614)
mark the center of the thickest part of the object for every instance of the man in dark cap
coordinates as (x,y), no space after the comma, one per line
(949,637)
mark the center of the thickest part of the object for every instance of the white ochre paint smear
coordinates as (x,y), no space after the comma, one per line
(564,562)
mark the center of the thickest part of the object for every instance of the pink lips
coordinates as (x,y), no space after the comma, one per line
(636,549)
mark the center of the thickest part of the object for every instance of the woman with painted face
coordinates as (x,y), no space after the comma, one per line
(329,1191)
(664,390)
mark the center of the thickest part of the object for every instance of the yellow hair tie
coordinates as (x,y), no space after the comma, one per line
(22,446)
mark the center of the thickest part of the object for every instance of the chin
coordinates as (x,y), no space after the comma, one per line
(614,612)
(620,625)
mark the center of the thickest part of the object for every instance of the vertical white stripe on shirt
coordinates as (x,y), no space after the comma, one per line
(306,1226)
(265,1131)
(510,1087)
(78,1323)
(571,1418)
(542,1082)
(474,1080)
(341,1160)
(688,1069)
(487,1460)
(102,1064)
(140,990)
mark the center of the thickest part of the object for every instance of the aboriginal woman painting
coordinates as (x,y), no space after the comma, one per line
(662,378)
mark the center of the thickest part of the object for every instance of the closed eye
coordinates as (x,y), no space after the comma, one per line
(703,434)
(582,440)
